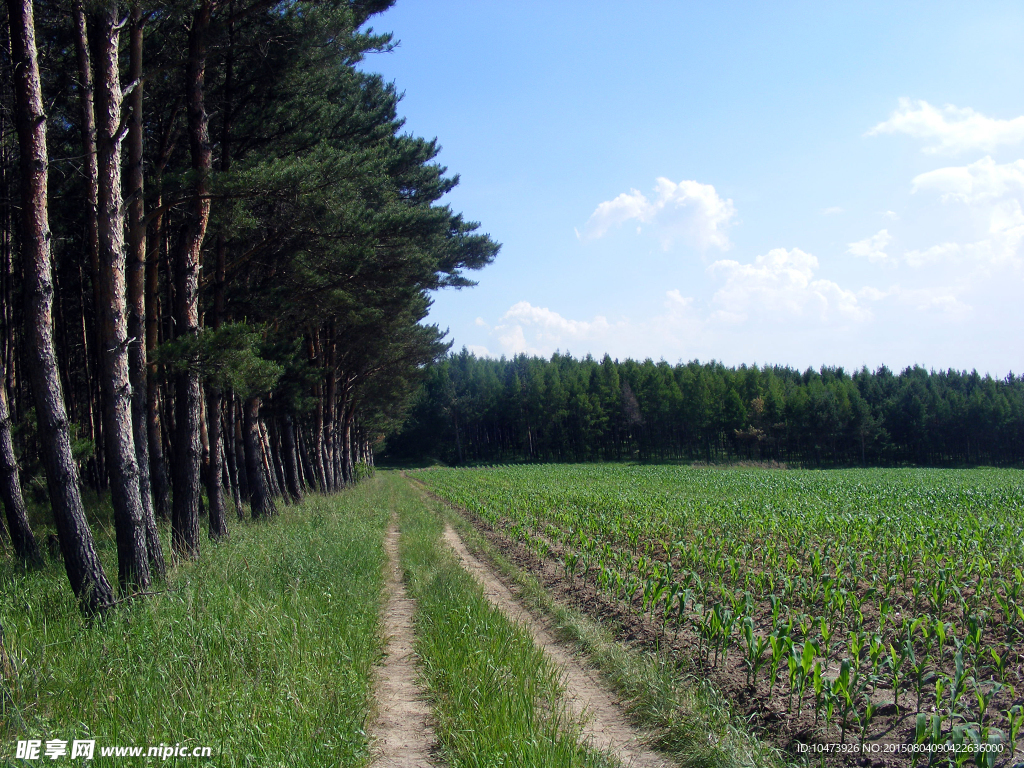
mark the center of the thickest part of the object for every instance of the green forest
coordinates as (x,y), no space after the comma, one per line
(563,409)
(217,245)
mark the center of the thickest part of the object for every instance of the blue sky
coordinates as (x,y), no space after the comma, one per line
(760,183)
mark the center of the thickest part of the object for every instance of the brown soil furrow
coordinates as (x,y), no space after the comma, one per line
(606,727)
(404,737)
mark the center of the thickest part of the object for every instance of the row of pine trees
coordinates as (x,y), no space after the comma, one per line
(564,409)
(216,250)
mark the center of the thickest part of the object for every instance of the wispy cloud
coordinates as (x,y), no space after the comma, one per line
(980,181)
(548,330)
(688,211)
(993,195)
(871,248)
(950,129)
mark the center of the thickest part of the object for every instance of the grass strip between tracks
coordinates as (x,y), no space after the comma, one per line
(496,697)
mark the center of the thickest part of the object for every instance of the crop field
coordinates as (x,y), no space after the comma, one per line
(878,610)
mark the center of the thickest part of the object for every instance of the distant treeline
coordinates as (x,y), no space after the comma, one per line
(563,409)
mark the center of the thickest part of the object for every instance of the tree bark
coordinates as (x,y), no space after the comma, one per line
(268,461)
(231,454)
(22,538)
(122,462)
(259,492)
(214,487)
(311,479)
(187,448)
(138,369)
(346,439)
(154,430)
(88,117)
(330,426)
(318,427)
(243,474)
(277,459)
(81,562)
(291,459)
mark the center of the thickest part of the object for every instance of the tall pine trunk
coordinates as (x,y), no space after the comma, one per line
(232,455)
(81,562)
(154,429)
(88,117)
(259,491)
(346,439)
(214,485)
(22,539)
(122,462)
(138,370)
(187,446)
(291,458)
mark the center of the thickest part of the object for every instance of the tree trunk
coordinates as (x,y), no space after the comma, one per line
(187,449)
(88,117)
(330,429)
(269,465)
(122,462)
(259,494)
(154,430)
(277,457)
(312,481)
(231,454)
(22,539)
(137,363)
(214,489)
(318,443)
(81,562)
(243,475)
(346,446)
(291,459)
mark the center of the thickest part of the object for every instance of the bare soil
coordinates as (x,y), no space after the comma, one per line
(402,730)
(606,727)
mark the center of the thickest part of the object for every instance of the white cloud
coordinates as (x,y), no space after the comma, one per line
(992,194)
(688,210)
(940,300)
(541,317)
(891,215)
(541,331)
(978,182)
(832,210)
(547,329)
(936,254)
(480,322)
(479,350)
(872,248)
(950,129)
(779,286)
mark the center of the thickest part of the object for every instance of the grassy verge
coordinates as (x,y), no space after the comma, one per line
(263,650)
(692,721)
(496,697)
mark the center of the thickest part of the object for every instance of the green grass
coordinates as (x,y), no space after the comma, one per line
(263,650)
(496,697)
(692,722)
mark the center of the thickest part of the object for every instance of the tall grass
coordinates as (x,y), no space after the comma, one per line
(497,699)
(263,650)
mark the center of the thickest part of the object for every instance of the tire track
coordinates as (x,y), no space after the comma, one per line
(606,727)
